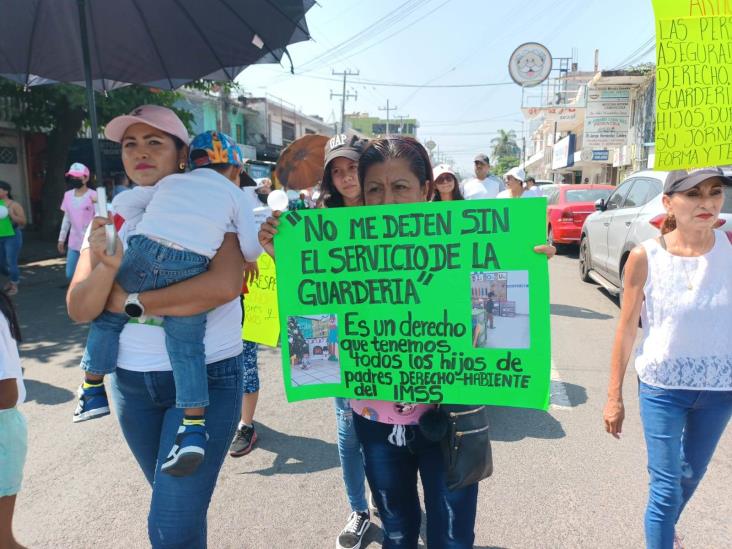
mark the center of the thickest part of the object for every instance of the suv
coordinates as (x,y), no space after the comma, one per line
(631,214)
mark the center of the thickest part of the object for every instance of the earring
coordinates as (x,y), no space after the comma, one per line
(182,166)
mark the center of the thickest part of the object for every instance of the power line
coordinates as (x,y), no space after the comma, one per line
(404,85)
(344,96)
(388,110)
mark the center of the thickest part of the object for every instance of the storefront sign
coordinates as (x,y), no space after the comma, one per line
(429,302)
(563,152)
(607,117)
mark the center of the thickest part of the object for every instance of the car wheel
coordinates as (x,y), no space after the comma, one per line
(550,241)
(585,264)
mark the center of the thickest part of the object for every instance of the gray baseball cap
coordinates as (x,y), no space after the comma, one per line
(682,180)
(482,158)
(348,145)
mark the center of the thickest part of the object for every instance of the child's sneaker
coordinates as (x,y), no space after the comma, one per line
(188,451)
(93,403)
(243,442)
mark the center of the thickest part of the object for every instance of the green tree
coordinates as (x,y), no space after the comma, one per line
(61,112)
(505,144)
(505,163)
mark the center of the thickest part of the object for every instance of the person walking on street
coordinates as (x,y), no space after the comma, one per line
(11,237)
(78,208)
(530,188)
(154,145)
(514,184)
(482,185)
(680,284)
(446,184)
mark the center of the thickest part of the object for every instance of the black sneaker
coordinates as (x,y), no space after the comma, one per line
(243,442)
(352,534)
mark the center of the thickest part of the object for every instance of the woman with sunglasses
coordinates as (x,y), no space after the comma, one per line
(446,184)
(78,208)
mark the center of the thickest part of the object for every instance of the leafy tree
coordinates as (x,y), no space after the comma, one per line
(61,112)
(505,163)
(505,144)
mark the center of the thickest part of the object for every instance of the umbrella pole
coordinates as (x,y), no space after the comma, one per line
(90,91)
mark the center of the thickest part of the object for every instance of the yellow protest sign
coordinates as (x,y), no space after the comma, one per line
(261,317)
(693,83)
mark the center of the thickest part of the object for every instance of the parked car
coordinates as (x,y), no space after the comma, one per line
(633,213)
(567,208)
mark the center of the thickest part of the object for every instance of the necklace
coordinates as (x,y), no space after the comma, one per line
(689,285)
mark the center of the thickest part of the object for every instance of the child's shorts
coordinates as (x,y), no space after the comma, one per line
(251,373)
(13,448)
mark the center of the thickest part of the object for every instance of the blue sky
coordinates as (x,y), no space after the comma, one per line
(446,42)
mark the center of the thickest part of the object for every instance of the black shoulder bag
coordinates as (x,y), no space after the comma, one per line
(462,431)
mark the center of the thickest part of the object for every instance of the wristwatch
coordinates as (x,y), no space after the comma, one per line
(133,306)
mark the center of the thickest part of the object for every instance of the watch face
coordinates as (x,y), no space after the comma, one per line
(133,310)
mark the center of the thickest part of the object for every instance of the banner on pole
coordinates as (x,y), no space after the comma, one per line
(429,302)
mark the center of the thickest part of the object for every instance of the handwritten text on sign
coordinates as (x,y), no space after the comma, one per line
(437,302)
(693,92)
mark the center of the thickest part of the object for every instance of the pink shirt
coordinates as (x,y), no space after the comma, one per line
(392,413)
(80,211)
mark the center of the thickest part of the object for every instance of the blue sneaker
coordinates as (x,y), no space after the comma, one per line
(188,451)
(93,403)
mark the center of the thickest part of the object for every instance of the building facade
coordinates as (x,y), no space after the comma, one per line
(374,127)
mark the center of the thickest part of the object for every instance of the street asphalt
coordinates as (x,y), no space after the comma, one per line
(559,480)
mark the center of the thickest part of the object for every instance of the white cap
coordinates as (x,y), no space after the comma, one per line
(442,169)
(516,172)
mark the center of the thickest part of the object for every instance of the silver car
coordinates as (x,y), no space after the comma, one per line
(631,214)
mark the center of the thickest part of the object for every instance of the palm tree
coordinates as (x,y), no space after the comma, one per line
(505,144)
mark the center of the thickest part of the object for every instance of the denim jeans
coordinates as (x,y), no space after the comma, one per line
(72,258)
(9,253)
(682,429)
(392,474)
(144,402)
(349,451)
(148,265)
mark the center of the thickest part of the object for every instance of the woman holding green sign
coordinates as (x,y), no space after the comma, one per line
(12,220)
(397,171)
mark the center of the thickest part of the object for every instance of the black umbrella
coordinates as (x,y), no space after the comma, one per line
(105,44)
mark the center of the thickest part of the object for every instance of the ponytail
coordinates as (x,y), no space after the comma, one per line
(669,224)
(7,309)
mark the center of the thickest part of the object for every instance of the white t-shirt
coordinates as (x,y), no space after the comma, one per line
(142,346)
(193,210)
(507,194)
(476,189)
(9,358)
(533,192)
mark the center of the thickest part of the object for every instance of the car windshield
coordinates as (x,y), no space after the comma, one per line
(586,195)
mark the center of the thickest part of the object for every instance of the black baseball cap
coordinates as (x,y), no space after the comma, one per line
(348,145)
(482,158)
(682,180)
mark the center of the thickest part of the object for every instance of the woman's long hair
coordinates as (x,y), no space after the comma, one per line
(7,308)
(6,186)
(456,194)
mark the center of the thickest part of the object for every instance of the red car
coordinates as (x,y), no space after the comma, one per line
(568,206)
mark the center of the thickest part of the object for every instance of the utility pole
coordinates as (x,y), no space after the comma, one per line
(387,109)
(400,118)
(344,96)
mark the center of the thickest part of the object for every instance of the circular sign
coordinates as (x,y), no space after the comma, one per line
(430,145)
(3,212)
(530,64)
(277,200)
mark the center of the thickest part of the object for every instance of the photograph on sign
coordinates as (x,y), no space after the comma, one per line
(313,345)
(530,64)
(500,306)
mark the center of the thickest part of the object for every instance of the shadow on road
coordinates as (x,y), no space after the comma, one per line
(577,312)
(514,424)
(45,393)
(295,455)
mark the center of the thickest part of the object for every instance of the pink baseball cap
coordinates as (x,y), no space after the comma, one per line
(156,116)
(78,169)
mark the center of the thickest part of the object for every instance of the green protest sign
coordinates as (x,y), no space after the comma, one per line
(429,302)
(693,83)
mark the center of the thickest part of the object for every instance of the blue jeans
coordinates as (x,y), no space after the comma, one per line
(9,253)
(349,450)
(682,429)
(148,265)
(144,403)
(392,474)
(72,258)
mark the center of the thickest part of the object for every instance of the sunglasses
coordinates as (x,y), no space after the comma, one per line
(445,179)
